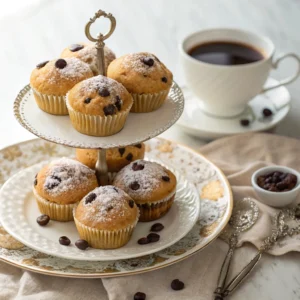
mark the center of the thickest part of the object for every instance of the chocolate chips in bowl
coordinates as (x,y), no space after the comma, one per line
(276,185)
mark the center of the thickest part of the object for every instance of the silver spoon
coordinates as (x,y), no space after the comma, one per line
(245,214)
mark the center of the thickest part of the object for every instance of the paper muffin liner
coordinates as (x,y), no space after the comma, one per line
(104,239)
(57,212)
(52,104)
(143,103)
(155,210)
(97,125)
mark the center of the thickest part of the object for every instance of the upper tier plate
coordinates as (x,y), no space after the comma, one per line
(139,127)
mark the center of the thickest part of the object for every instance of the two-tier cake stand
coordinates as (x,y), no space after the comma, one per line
(195,174)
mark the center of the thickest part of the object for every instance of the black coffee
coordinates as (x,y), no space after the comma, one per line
(225,53)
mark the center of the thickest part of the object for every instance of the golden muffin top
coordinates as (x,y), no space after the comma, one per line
(65,181)
(146,181)
(107,208)
(57,77)
(100,96)
(141,73)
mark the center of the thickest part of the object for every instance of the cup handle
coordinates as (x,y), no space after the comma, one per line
(287,80)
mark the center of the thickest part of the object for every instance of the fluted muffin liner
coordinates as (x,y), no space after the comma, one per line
(143,103)
(52,104)
(104,239)
(151,211)
(97,125)
(57,212)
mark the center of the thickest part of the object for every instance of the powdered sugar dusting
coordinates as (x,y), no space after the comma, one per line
(149,178)
(75,68)
(110,203)
(66,174)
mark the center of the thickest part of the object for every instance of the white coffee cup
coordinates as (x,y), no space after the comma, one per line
(225,90)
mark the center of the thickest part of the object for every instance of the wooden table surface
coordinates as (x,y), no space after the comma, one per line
(34,31)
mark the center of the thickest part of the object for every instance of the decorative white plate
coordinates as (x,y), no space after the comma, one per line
(210,182)
(18,213)
(58,129)
(195,122)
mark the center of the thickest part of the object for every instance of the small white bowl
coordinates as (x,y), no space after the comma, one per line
(275,199)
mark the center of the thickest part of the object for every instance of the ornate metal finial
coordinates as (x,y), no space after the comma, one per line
(100,37)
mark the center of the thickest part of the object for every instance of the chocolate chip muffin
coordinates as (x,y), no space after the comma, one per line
(51,80)
(145,77)
(60,185)
(88,54)
(117,158)
(106,217)
(99,106)
(150,185)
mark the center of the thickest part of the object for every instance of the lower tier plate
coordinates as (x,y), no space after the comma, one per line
(211,184)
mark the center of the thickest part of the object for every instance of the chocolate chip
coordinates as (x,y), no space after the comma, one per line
(42,64)
(267,112)
(129,157)
(118,103)
(148,61)
(165,178)
(87,100)
(297,213)
(269,180)
(137,167)
(60,63)
(53,183)
(109,110)
(116,189)
(164,79)
(131,203)
(35,182)
(139,296)
(245,122)
(138,146)
(104,92)
(65,241)
(134,185)
(153,237)
(157,227)
(43,220)
(177,285)
(110,207)
(121,151)
(90,198)
(143,241)
(281,185)
(81,244)
(75,47)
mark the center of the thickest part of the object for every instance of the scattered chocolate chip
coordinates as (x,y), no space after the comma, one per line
(118,103)
(143,241)
(138,146)
(148,61)
(65,241)
(43,220)
(267,112)
(164,79)
(115,189)
(134,264)
(281,185)
(90,198)
(165,178)
(134,185)
(157,227)
(109,110)
(153,237)
(35,182)
(42,64)
(245,122)
(75,47)
(129,157)
(137,167)
(87,100)
(81,244)
(53,183)
(104,92)
(177,285)
(139,296)
(131,203)
(121,151)
(110,207)
(60,63)
(297,213)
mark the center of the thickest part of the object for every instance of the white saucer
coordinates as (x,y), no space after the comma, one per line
(18,213)
(195,122)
